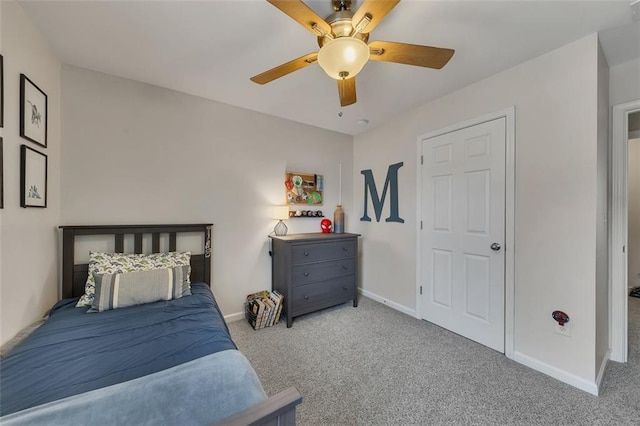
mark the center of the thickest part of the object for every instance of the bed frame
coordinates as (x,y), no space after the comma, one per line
(278,410)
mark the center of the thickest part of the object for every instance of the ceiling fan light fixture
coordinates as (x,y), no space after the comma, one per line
(343,57)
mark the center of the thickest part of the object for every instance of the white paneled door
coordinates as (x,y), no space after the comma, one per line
(463,232)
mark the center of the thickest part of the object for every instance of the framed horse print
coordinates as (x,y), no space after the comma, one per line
(33,112)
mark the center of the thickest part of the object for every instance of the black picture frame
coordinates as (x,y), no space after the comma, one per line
(1,91)
(33,112)
(33,178)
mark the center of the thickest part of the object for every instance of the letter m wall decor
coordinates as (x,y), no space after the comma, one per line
(391,185)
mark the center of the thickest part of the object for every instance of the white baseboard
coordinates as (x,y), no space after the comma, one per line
(234,317)
(556,373)
(394,305)
(606,358)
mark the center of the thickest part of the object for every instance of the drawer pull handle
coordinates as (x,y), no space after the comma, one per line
(306,253)
(345,248)
(306,298)
(345,288)
(345,267)
(306,274)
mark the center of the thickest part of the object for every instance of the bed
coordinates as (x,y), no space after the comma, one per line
(166,362)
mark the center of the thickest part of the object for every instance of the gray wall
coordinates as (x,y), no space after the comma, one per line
(137,153)
(28,237)
(556,212)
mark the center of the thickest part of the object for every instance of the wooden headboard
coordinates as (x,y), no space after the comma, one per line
(74,276)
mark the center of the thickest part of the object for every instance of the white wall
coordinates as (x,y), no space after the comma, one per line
(602,243)
(556,103)
(634,213)
(137,153)
(29,262)
(624,82)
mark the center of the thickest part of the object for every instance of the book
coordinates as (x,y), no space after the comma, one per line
(276,302)
(280,304)
(268,312)
(261,315)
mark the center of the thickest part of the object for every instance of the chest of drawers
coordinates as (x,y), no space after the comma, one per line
(314,271)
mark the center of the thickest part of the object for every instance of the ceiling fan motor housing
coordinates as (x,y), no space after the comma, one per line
(341,26)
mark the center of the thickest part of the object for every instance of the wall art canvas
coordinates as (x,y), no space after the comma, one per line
(33,178)
(33,112)
(304,188)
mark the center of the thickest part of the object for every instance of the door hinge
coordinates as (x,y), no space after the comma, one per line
(420,289)
(623,249)
(422,159)
(420,224)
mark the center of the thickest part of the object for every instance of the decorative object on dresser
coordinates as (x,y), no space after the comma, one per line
(315,271)
(338,220)
(338,214)
(33,178)
(280,213)
(33,112)
(325,226)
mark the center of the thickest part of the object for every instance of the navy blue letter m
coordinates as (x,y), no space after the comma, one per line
(391,183)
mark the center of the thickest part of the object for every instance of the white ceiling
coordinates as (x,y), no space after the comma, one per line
(211,48)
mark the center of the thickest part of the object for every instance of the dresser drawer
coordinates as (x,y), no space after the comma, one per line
(313,272)
(318,252)
(311,297)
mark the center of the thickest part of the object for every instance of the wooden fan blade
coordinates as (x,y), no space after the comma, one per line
(284,69)
(304,15)
(347,91)
(410,54)
(376,9)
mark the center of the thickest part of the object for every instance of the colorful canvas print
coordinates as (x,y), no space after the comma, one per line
(304,188)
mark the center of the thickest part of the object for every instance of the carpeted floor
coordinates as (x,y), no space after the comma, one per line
(372,365)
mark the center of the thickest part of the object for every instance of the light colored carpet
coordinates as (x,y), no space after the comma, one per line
(372,365)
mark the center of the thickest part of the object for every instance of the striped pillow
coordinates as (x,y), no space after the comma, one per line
(119,290)
(111,263)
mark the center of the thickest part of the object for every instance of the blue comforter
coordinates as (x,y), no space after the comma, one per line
(75,352)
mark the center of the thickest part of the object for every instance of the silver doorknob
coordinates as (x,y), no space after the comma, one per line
(495,247)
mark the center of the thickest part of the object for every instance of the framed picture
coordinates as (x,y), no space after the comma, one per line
(1,175)
(33,178)
(1,91)
(303,188)
(33,112)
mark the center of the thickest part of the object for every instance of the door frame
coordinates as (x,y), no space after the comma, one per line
(509,244)
(618,232)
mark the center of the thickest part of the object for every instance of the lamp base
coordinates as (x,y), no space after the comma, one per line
(280,229)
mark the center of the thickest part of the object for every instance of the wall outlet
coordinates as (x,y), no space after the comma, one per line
(564,330)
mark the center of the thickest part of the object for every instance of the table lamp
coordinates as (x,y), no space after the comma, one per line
(280,213)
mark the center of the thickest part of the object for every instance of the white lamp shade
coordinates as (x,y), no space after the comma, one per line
(281,212)
(343,55)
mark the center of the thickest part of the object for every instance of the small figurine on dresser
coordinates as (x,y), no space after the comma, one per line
(325,225)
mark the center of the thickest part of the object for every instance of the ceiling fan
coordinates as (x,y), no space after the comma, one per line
(343,37)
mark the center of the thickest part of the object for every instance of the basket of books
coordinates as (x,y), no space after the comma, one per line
(263,309)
